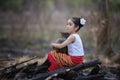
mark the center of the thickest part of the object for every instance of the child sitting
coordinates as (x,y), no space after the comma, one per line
(73,42)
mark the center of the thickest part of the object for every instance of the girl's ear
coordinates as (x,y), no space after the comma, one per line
(76,28)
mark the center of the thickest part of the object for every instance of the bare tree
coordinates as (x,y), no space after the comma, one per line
(104,30)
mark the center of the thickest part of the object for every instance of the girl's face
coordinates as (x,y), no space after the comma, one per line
(71,28)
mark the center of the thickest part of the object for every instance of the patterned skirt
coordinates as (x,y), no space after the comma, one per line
(60,60)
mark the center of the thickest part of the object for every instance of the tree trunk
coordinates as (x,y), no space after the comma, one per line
(104,30)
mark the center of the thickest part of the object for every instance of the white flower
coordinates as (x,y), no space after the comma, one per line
(82,21)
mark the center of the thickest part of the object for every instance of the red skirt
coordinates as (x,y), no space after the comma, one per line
(60,60)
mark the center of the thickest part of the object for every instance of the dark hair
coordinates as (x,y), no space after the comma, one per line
(76,21)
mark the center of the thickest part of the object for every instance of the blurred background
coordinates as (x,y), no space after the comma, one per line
(27,27)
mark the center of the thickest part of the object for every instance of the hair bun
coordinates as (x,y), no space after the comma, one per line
(82,21)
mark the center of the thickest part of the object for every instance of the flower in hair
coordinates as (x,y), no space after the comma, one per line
(82,21)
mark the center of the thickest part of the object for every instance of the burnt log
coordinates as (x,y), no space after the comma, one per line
(81,66)
(11,73)
(90,77)
(15,65)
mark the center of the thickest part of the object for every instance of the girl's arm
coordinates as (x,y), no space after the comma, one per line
(69,40)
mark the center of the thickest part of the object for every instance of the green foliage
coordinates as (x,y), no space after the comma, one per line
(75,5)
(14,5)
(114,5)
(50,4)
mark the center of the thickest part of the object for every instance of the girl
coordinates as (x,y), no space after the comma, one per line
(73,42)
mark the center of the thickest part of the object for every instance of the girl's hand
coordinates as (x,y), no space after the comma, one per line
(53,46)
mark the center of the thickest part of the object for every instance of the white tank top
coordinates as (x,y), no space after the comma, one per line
(76,48)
